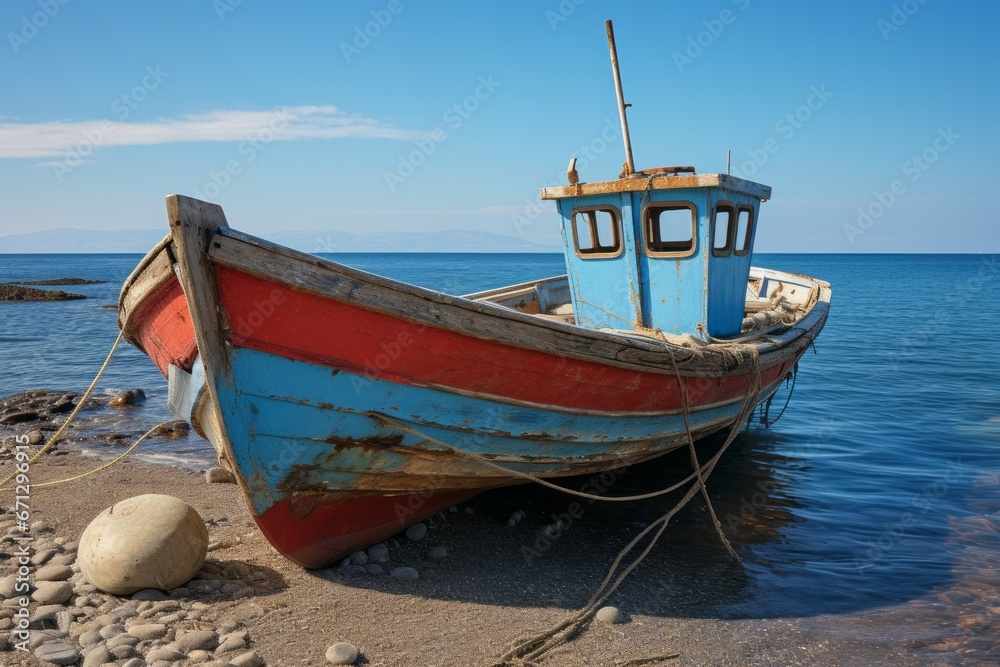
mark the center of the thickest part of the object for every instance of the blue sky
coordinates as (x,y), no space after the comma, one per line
(291,117)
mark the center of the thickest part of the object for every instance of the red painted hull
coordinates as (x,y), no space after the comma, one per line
(332,529)
(298,326)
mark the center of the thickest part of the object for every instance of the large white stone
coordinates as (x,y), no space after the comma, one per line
(149,541)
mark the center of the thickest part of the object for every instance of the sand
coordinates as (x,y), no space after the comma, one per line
(467,607)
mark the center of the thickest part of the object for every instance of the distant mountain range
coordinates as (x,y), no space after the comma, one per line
(141,240)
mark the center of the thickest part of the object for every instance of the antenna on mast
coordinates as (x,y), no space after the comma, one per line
(629,163)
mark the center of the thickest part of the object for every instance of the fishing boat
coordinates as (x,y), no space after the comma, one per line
(349,406)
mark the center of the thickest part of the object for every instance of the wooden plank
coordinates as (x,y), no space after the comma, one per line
(152,273)
(193,224)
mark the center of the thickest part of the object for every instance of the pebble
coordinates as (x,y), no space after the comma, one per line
(150,595)
(374,570)
(7,585)
(437,553)
(416,532)
(58,654)
(165,606)
(42,557)
(51,615)
(135,662)
(39,637)
(90,638)
(219,476)
(148,631)
(359,558)
(354,571)
(378,554)
(164,653)
(112,630)
(610,615)
(405,573)
(40,527)
(233,642)
(124,639)
(342,654)
(194,640)
(53,592)
(53,572)
(250,659)
(242,592)
(123,652)
(97,657)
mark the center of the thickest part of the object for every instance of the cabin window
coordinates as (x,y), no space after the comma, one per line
(670,229)
(723,230)
(596,232)
(744,230)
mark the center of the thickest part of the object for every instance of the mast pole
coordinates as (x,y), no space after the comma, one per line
(629,163)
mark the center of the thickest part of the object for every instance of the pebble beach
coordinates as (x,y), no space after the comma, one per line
(454,590)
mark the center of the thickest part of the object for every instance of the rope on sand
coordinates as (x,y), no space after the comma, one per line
(109,463)
(83,399)
(528,650)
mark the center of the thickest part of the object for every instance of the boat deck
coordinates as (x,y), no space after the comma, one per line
(774,300)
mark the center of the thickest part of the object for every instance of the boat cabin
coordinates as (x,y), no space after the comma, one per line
(664,249)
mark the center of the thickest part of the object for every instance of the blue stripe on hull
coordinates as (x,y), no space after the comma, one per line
(299,425)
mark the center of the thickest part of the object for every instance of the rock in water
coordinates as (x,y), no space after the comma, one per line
(342,654)
(130,397)
(149,541)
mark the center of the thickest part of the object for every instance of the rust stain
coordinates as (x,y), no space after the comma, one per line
(374,442)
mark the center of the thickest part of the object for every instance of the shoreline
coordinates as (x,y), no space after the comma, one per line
(447,616)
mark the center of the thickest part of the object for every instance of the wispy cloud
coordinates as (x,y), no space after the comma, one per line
(20,139)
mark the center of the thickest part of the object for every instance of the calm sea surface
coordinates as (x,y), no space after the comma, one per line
(878,489)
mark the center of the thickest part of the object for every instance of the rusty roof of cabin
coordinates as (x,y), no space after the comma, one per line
(639,182)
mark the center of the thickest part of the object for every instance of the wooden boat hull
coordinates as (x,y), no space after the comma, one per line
(350,406)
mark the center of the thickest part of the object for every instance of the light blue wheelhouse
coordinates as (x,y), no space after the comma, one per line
(668,252)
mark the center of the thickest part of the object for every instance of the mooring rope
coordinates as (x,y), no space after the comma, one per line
(509,472)
(106,465)
(79,406)
(527,650)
